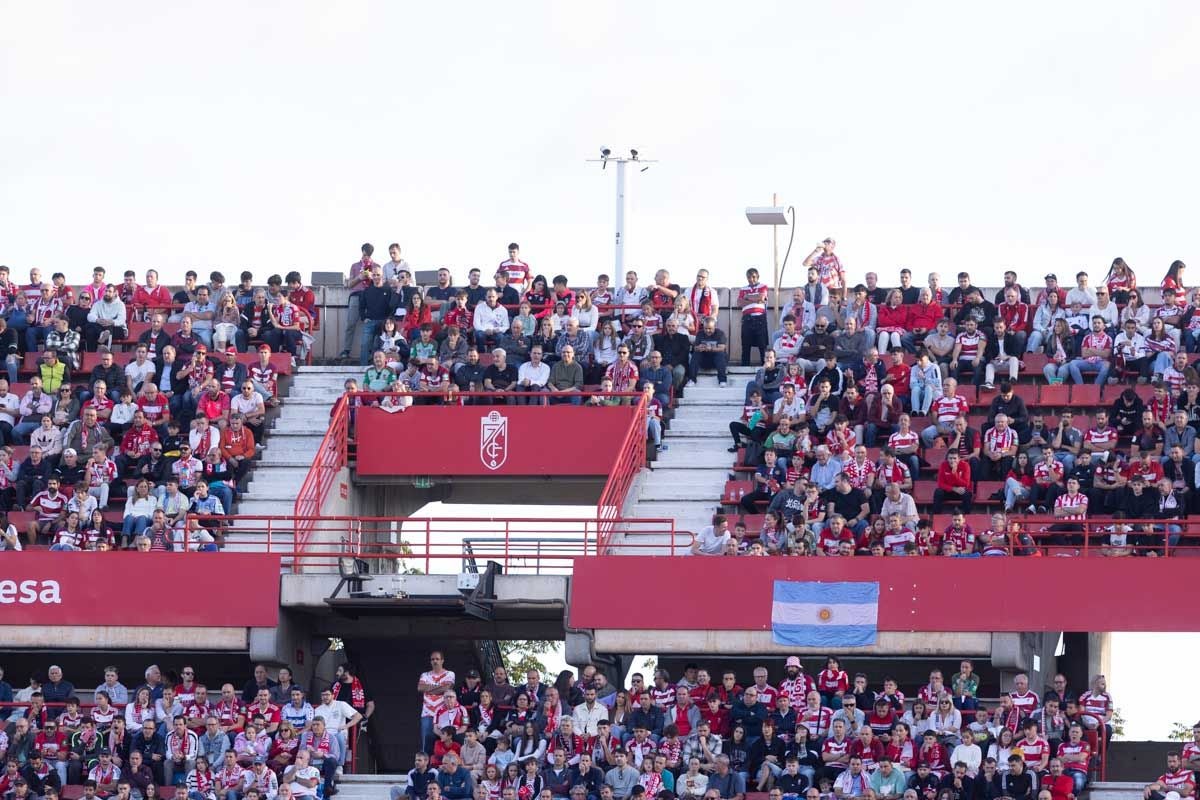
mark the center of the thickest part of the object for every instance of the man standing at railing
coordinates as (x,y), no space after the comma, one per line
(432,685)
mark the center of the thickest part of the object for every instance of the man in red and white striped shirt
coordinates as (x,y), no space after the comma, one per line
(1072,505)
(1175,779)
(968,351)
(517,270)
(1094,354)
(999,450)
(944,411)
(752,299)
(1101,438)
(48,505)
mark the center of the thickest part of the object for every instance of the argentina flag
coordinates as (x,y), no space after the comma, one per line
(812,614)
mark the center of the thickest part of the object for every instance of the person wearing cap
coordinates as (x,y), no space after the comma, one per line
(105,774)
(1052,287)
(829,267)
(264,376)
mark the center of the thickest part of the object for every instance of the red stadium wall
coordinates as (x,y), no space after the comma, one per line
(915,594)
(491,440)
(146,589)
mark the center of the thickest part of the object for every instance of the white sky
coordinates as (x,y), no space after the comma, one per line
(276,135)
(280,135)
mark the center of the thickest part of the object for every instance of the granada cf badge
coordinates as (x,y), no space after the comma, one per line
(493,440)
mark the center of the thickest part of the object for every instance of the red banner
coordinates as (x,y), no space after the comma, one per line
(184,590)
(915,594)
(491,440)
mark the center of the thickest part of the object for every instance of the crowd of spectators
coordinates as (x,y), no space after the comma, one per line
(164,430)
(172,736)
(525,334)
(824,735)
(859,401)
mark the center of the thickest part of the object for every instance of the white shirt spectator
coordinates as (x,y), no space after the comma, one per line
(491,319)
(336,714)
(537,376)
(586,718)
(113,312)
(711,543)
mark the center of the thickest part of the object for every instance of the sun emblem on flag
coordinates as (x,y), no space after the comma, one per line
(825,614)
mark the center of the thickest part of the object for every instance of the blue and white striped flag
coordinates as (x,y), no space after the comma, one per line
(813,614)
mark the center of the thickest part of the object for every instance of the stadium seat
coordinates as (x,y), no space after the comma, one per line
(1085,394)
(731,496)
(1057,394)
(1027,392)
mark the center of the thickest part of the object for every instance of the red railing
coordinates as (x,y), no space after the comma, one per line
(447,545)
(1144,537)
(631,457)
(332,455)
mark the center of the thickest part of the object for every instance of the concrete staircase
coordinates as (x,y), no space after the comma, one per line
(291,444)
(369,787)
(687,480)
(1115,790)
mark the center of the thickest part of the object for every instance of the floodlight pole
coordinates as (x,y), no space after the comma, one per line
(620,237)
(775,252)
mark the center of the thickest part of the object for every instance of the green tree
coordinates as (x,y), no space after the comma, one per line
(522,655)
(1180,732)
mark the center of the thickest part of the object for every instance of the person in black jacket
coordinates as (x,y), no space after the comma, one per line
(1010,405)
(1018,783)
(107,371)
(957,785)
(978,309)
(924,782)
(10,350)
(153,748)
(766,755)
(376,303)
(32,476)
(155,339)
(676,350)
(38,774)
(648,716)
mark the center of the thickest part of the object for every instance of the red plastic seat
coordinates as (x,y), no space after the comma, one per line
(1057,394)
(1085,395)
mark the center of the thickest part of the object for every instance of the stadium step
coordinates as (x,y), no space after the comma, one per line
(689,476)
(369,787)
(1115,790)
(292,444)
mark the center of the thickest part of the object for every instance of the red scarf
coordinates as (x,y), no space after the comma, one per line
(322,744)
(231,781)
(105,775)
(179,744)
(358,698)
(704,307)
(204,781)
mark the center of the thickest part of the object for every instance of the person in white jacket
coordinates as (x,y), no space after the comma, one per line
(106,320)
(491,320)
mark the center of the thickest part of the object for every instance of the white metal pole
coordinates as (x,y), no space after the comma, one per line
(620,238)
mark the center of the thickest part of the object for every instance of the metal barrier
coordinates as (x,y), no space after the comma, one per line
(444,545)
(86,708)
(631,458)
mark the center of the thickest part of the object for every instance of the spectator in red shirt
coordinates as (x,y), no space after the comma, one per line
(953,484)
(1060,786)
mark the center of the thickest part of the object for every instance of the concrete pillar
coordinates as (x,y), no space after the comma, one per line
(1099,659)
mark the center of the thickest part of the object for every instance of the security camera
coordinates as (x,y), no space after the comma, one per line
(633,153)
(605,152)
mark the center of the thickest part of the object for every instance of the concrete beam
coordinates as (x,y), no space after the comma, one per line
(760,642)
(513,592)
(81,637)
